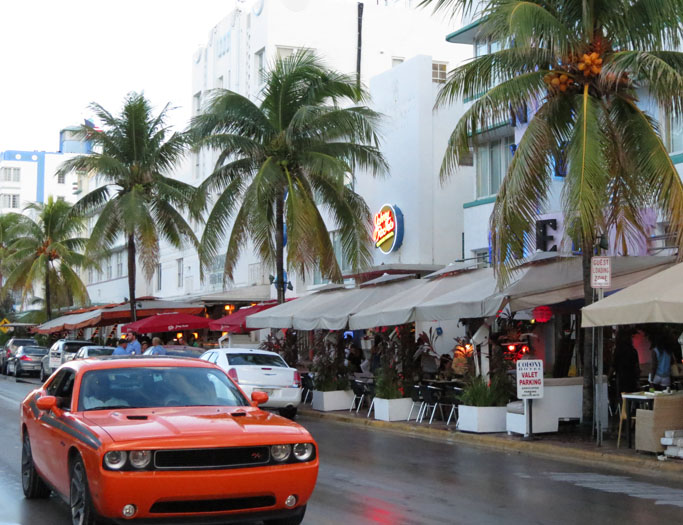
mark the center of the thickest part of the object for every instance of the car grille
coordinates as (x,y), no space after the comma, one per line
(211,458)
(211,505)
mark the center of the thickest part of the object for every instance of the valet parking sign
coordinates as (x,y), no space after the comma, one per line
(529,379)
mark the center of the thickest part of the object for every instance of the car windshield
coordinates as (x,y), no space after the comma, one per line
(22,342)
(34,350)
(71,348)
(256,359)
(148,387)
(100,350)
(181,351)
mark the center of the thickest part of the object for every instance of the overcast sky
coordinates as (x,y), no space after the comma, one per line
(58,56)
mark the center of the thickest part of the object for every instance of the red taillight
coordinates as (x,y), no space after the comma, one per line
(232,374)
(297,379)
(25,358)
(9,354)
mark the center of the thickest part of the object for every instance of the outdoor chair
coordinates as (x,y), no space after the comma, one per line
(358,389)
(370,394)
(431,396)
(417,401)
(307,388)
(451,397)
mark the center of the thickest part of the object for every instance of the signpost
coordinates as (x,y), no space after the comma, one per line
(529,387)
(601,278)
(4,328)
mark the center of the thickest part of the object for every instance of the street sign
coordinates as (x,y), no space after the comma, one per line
(530,379)
(601,272)
(4,328)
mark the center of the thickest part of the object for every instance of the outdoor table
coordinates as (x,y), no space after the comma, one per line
(642,398)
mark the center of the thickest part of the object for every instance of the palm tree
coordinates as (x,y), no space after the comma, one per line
(581,63)
(132,152)
(8,225)
(281,158)
(47,251)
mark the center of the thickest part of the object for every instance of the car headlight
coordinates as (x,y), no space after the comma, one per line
(280,452)
(115,459)
(303,451)
(139,458)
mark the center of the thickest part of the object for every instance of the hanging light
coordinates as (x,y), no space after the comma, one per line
(542,314)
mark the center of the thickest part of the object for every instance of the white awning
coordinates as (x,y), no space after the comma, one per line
(657,299)
(330,310)
(561,280)
(400,309)
(477,298)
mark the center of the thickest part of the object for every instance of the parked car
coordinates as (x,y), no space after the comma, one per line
(26,361)
(179,351)
(61,351)
(11,348)
(162,440)
(87,351)
(256,369)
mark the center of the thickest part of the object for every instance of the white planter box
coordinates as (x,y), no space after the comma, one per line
(334,400)
(481,419)
(392,409)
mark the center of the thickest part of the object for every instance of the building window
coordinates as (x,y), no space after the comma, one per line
(10,175)
(61,178)
(60,198)
(285,52)
(219,82)
(482,257)
(119,264)
(158,276)
(439,72)
(493,160)
(179,263)
(675,134)
(110,268)
(197,103)
(396,61)
(257,274)
(259,65)
(344,264)
(91,275)
(9,200)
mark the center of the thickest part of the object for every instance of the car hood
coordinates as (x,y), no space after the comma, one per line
(195,426)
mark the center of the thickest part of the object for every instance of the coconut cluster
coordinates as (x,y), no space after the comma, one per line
(590,64)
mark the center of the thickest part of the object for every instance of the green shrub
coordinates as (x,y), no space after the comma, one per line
(479,393)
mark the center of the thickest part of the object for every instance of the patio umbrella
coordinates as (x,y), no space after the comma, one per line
(657,299)
(237,323)
(170,322)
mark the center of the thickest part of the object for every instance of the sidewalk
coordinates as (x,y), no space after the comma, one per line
(568,446)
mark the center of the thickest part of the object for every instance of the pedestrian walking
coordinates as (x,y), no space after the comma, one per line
(625,365)
(156,348)
(134,344)
(122,349)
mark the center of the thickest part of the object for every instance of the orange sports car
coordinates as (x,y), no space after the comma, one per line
(167,440)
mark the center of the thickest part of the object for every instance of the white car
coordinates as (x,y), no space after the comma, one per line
(255,369)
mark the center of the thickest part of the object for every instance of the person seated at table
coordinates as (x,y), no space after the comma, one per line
(355,358)
(662,358)
(625,365)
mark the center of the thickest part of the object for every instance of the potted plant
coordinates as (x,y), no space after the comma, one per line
(483,407)
(390,405)
(329,377)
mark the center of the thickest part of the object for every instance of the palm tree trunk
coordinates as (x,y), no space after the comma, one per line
(588,371)
(280,248)
(48,304)
(131,276)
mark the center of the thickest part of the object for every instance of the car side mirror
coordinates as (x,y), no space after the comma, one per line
(259,398)
(46,403)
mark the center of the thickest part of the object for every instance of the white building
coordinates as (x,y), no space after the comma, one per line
(403,59)
(30,176)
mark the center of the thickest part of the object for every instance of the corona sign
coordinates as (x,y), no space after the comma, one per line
(387,233)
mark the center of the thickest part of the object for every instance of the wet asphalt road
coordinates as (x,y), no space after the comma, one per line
(376,477)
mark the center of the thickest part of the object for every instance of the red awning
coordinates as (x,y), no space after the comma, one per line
(167,323)
(237,323)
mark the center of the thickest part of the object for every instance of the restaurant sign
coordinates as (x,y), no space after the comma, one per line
(387,233)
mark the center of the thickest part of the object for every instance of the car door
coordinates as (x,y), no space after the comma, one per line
(58,432)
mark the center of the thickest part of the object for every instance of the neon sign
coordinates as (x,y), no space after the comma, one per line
(387,233)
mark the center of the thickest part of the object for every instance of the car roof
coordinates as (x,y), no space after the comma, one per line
(75,341)
(108,362)
(97,347)
(248,351)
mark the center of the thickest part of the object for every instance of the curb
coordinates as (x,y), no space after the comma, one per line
(639,465)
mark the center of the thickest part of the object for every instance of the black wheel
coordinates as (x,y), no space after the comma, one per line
(10,371)
(82,510)
(33,485)
(3,368)
(17,373)
(292,520)
(288,412)
(43,376)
